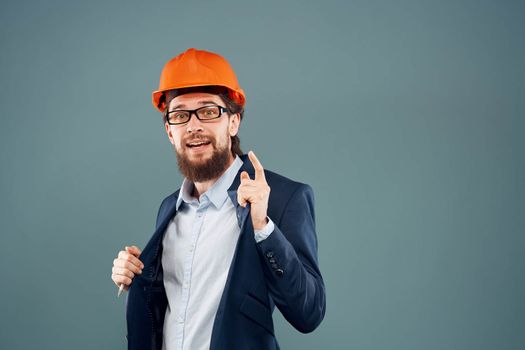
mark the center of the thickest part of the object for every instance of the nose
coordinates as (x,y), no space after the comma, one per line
(194,124)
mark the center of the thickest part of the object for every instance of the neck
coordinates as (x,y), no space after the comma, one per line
(201,187)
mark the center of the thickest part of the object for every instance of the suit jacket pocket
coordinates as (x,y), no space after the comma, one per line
(257,312)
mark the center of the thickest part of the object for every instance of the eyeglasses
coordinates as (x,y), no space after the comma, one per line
(203,114)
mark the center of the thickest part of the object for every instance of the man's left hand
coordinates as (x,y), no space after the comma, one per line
(256,192)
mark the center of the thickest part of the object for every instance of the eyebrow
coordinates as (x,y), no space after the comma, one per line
(200,102)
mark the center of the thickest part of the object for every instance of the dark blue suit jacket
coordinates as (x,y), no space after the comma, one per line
(281,271)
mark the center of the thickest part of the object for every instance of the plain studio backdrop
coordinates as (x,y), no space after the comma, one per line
(406,117)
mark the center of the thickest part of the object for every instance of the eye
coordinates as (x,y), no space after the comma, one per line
(178,116)
(209,112)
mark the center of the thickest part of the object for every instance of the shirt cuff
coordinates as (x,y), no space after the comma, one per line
(262,234)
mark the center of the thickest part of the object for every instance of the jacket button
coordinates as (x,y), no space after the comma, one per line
(271,260)
(269,254)
(279,272)
(275,266)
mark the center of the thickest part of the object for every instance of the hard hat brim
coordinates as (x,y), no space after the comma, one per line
(236,94)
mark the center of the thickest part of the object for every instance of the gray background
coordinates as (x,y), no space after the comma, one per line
(406,117)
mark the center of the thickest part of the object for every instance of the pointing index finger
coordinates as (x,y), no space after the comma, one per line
(259,170)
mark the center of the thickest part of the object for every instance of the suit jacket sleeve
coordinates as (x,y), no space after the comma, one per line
(290,263)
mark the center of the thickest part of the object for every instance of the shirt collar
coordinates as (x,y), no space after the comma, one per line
(217,193)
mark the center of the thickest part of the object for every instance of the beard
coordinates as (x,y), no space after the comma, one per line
(200,169)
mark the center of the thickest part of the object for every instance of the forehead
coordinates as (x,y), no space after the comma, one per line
(194,100)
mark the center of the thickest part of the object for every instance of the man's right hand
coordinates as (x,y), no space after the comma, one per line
(126,266)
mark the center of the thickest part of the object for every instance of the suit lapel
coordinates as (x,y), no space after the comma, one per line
(242,212)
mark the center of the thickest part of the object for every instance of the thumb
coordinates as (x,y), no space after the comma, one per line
(133,250)
(245,176)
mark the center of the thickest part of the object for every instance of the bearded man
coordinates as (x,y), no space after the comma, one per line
(232,243)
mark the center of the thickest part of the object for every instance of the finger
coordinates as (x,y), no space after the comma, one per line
(244,176)
(253,186)
(131,258)
(240,199)
(128,265)
(252,196)
(134,250)
(249,184)
(122,271)
(252,192)
(259,170)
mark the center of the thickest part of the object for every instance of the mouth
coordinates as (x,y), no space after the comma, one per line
(198,145)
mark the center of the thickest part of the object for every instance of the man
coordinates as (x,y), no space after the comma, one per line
(234,242)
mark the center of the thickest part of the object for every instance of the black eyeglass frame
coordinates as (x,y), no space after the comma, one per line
(194,111)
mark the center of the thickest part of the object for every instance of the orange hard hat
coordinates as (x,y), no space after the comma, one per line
(197,68)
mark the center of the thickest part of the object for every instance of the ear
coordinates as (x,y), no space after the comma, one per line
(233,124)
(170,134)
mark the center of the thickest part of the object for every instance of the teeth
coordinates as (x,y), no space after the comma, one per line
(197,144)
